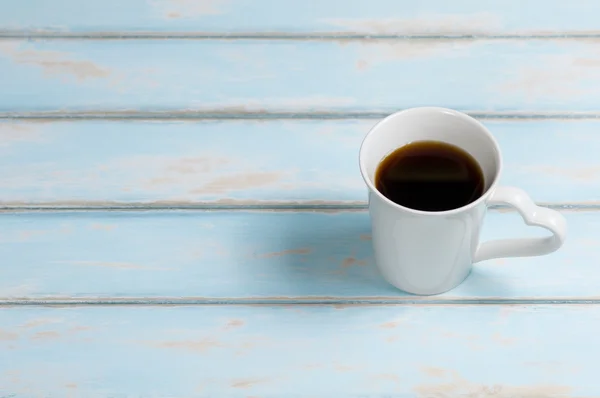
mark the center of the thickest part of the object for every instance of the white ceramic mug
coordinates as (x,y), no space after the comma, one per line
(432,252)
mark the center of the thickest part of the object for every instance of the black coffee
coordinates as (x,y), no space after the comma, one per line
(430,176)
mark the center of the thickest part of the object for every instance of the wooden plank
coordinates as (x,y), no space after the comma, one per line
(235,77)
(430,17)
(230,351)
(256,162)
(259,255)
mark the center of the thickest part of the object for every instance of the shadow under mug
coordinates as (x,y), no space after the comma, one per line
(428,253)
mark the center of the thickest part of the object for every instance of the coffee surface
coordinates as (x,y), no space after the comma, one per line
(430,176)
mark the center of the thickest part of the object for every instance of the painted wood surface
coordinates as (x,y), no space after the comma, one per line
(229,78)
(113,303)
(301,351)
(257,162)
(281,256)
(426,17)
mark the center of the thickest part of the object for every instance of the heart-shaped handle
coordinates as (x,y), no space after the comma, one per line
(532,214)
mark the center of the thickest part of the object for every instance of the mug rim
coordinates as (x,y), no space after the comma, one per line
(464,116)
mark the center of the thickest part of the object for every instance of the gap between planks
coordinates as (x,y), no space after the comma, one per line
(324,207)
(295,301)
(240,113)
(320,36)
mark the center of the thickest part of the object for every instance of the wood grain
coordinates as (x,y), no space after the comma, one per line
(256,162)
(274,60)
(426,17)
(308,76)
(383,351)
(291,256)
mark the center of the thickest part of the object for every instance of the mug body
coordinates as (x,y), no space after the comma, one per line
(417,251)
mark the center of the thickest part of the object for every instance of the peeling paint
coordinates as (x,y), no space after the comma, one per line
(563,76)
(345,368)
(22,290)
(183,172)
(362,64)
(234,323)
(76,329)
(245,347)
(238,182)
(80,69)
(304,250)
(103,227)
(175,9)
(41,321)
(381,52)
(12,133)
(389,325)
(27,235)
(54,63)
(432,24)
(505,341)
(433,371)
(348,262)
(108,264)
(458,386)
(247,383)
(46,335)
(587,62)
(295,205)
(351,261)
(4,335)
(583,174)
(264,104)
(192,165)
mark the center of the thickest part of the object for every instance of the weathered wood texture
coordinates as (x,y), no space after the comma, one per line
(393,351)
(254,162)
(425,17)
(233,77)
(349,60)
(246,255)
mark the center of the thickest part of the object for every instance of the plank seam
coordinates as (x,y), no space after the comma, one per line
(268,301)
(225,114)
(322,207)
(41,34)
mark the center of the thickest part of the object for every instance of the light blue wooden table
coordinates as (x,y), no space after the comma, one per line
(182,213)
